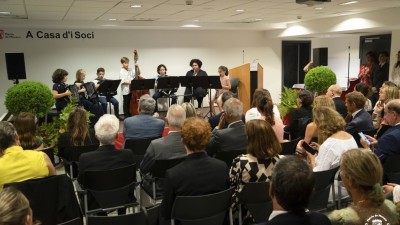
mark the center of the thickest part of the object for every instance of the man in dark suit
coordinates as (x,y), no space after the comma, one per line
(379,75)
(232,138)
(389,143)
(335,91)
(144,125)
(199,174)
(361,120)
(169,147)
(292,184)
(106,156)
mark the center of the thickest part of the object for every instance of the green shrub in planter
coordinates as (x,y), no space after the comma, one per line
(29,96)
(288,101)
(318,79)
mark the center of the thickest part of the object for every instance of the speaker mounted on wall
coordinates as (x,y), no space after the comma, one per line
(320,56)
(15,63)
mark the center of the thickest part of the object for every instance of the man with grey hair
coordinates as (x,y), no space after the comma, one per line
(388,144)
(106,156)
(143,125)
(169,147)
(335,91)
(232,138)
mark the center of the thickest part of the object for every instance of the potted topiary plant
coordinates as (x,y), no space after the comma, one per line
(319,78)
(29,96)
(288,102)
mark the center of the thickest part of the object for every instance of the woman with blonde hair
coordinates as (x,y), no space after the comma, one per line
(77,133)
(263,150)
(311,129)
(15,208)
(386,93)
(189,109)
(362,178)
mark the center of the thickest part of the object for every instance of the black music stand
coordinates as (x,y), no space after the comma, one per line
(169,82)
(108,88)
(193,82)
(212,82)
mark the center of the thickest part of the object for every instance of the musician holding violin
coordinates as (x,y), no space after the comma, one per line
(60,89)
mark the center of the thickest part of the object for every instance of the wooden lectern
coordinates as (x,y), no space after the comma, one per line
(250,78)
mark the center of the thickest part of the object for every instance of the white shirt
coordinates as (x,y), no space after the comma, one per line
(253,113)
(331,151)
(395,78)
(355,113)
(126,76)
(276,213)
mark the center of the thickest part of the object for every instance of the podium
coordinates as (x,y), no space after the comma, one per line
(250,78)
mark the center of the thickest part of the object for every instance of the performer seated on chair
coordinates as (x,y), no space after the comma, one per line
(226,86)
(199,93)
(80,80)
(159,93)
(102,98)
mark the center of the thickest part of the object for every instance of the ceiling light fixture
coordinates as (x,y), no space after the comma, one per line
(257,19)
(5,13)
(239,10)
(349,3)
(190,26)
(319,8)
(136,6)
(113,19)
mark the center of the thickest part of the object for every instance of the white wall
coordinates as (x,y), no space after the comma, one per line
(173,48)
(395,48)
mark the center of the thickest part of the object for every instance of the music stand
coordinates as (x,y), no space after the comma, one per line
(187,81)
(108,88)
(169,82)
(142,84)
(212,82)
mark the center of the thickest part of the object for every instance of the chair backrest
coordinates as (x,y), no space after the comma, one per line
(102,180)
(234,86)
(138,218)
(50,153)
(298,127)
(289,147)
(77,151)
(209,209)
(161,166)
(255,197)
(153,215)
(52,198)
(76,221)
(323,183)
(138,146)
(228,156)
(391,164)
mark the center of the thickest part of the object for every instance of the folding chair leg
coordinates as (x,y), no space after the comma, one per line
(230,216)
(333,193)
(240,214)
(172,222)
(86,207)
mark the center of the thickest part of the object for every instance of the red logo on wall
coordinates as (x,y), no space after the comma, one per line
(1,34)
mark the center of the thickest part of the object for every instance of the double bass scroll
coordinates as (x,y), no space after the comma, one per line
(136,94)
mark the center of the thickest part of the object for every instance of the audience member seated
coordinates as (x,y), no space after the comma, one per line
(312,129)
(386,94)
(366,90)
(199,174)
(335,91)
(265,107)
(25,124)
(189,109)
(17,165)
(78,133)
(334,141)
(214,120)
(253,112)
(255,166)
(361,173)
(300,117)
(15,208)
(361,120)
(388,144)
(232,138)
(143,125)
(169,147)
(292,184)
(106,157)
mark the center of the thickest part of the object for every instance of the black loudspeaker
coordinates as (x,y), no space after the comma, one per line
(320,56)
(15,66)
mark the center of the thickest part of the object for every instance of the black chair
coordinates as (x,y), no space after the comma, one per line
(209,209)
(71,163)
(76,221)
(289,147)
(138,147)
(298,127)
(108,190)
(391,168)
(235,86)
(158,173)
(255,197)
(228,156)
(153,215)
(323,185)
(128,219)
(52,199)
(50,153)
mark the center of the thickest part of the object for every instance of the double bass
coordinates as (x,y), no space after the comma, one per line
(136,94)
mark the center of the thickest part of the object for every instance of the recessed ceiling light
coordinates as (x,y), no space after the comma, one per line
(319,8)
(349,3)
(136,6)
(5,13)
(113,19)
(239,10)
(190,26)
(257,19)
(196,21)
